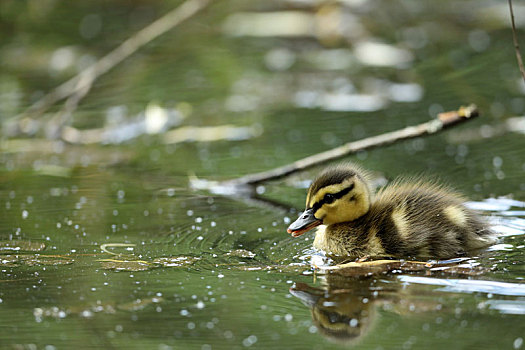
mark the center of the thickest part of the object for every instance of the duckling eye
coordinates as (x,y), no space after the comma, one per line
(328,198)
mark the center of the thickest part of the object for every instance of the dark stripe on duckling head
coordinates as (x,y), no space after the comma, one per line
(331,197)
(331,176)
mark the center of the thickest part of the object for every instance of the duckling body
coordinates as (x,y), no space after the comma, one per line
(403,219)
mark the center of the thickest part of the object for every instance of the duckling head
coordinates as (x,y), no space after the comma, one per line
(339,194)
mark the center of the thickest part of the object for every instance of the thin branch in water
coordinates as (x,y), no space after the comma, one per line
(76,88)
(516,44)
(443,121)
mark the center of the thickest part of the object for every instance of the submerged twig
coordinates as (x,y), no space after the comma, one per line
(104,247)
(76,88)
(443,121)
(452,266)
(515,39)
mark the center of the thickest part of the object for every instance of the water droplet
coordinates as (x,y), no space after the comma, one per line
(252,339)
(86,314)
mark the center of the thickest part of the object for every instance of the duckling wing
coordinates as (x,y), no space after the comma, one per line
(427,220)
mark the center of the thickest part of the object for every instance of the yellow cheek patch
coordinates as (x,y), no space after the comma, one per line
(456,215)
(401,222)
(321,213)
(319,195)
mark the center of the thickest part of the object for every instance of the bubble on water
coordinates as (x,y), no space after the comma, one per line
(200,305)
(518,342)
(228,334)
(86,314)
(121,194)
(288,317)
(189,212)
(184,312)
(497,162)
(252,339)
(25,214)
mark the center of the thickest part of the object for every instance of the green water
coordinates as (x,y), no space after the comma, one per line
(205,271)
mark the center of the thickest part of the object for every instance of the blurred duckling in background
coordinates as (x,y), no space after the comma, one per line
(406,218)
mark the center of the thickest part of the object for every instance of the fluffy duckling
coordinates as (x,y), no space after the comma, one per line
(403,219)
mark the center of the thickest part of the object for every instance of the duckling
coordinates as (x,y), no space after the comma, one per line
(406,218)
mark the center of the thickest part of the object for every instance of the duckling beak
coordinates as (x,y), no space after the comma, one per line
(305,222)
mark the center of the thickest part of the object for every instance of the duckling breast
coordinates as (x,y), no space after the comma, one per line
(342,239)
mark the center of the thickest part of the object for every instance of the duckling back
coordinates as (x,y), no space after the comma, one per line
(426,220)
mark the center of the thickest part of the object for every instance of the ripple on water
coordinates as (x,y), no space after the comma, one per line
(512,307)
(468,286)
(505,218)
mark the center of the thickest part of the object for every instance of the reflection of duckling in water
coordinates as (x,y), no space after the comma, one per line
(404,219)
(340,316)
(346,309)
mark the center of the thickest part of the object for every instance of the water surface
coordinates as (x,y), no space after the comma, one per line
(107,246)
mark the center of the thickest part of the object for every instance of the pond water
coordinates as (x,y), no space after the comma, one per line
(108,246)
